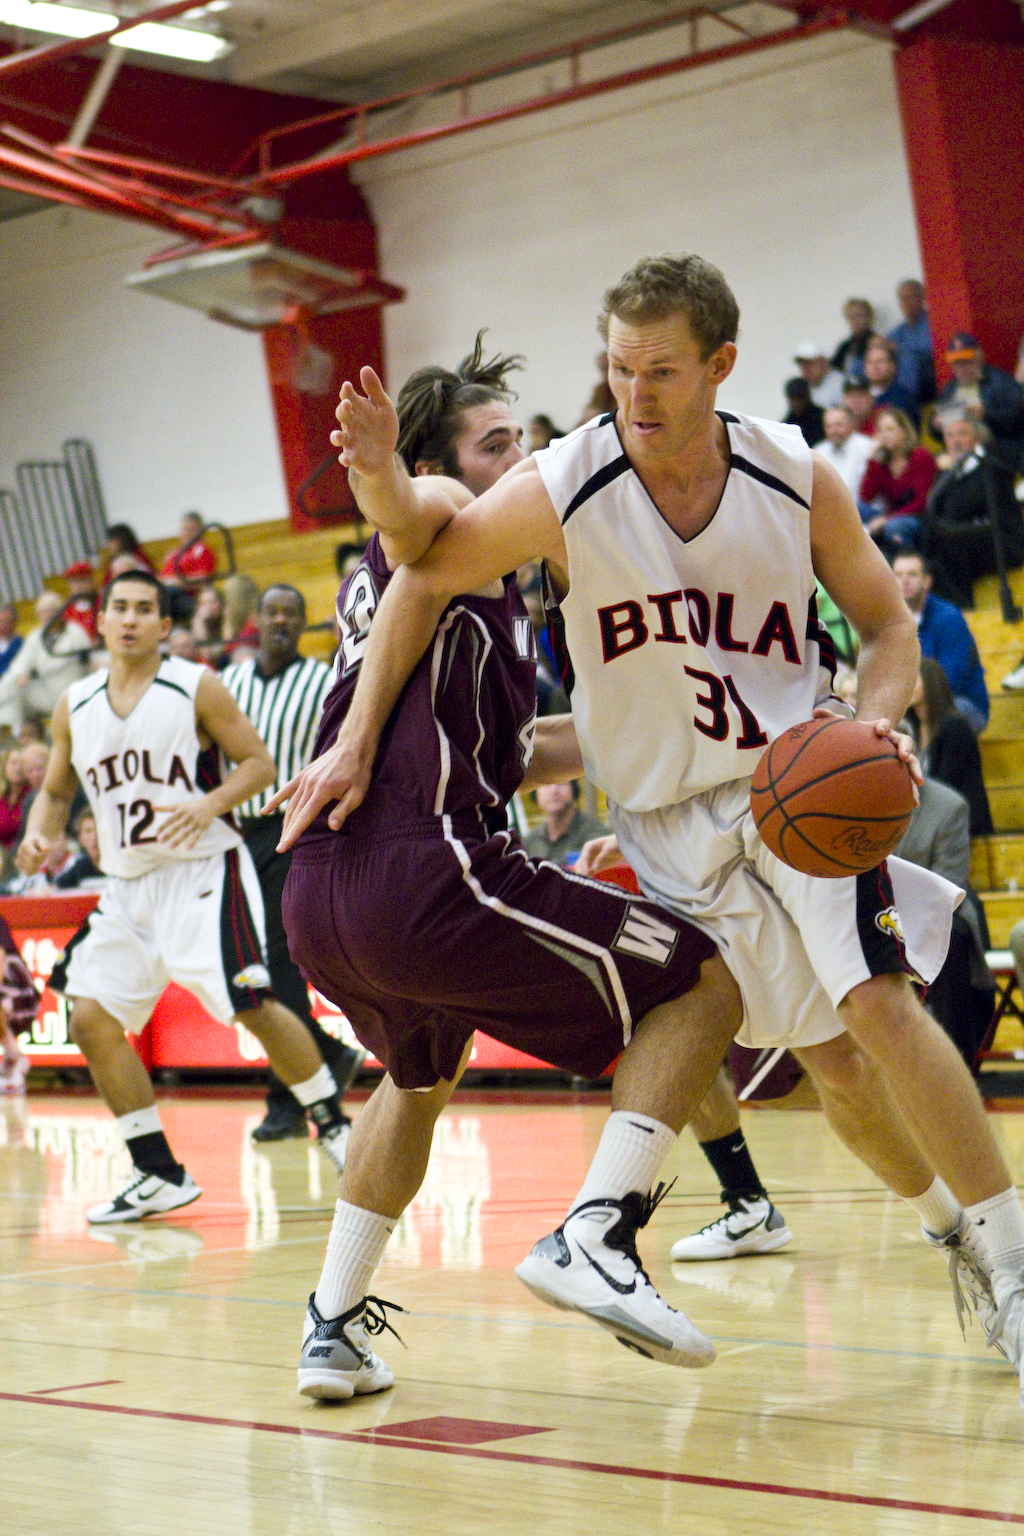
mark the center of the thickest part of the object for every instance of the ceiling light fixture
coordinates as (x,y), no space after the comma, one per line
(150,37)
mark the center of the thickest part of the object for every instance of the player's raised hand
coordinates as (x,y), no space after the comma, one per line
(367,426)
(343,774)
(31,856)
(600,853)
(186,822)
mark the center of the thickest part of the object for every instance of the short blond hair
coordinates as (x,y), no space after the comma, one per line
(658,286)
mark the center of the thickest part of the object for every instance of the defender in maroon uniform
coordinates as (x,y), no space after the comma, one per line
(425,919)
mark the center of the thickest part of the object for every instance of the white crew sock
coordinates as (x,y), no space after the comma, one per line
(631,1150)
(316,1088)
(998,1224)
(139,1122)
(354,1249)
(938,1208)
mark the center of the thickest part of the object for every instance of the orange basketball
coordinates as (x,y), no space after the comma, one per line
(830,798)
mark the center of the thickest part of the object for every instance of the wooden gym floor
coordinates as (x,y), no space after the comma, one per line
(147,1385)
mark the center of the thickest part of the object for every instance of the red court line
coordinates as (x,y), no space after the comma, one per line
(556,1463)
(76,1386)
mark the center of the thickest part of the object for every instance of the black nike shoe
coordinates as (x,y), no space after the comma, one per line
(344,1062)
(590,1265)
(282,1121)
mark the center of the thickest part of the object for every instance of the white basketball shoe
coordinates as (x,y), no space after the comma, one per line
(590,1265)
(336,1360)
(1007,1331)
(970,1278)
(748,1226)
(146,1195)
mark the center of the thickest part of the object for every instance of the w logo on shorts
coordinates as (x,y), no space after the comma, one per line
(641,933)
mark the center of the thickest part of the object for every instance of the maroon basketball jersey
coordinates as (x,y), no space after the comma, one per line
(461,736)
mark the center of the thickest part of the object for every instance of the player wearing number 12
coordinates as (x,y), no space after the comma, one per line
(145,739)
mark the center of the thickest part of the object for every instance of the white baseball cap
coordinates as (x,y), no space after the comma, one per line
(807,351)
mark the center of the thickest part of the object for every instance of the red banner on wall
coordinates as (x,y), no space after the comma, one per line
(181,1034)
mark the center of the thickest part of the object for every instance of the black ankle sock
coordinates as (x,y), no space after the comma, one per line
(152,1154)
(326,1114)
(730,1158)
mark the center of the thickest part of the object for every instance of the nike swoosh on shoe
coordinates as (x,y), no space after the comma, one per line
(616,1285)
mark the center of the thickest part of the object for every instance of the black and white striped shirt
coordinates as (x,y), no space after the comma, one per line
(285,709)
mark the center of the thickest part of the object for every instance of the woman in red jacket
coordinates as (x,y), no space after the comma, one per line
(896,483)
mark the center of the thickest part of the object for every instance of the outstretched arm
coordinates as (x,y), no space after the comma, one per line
(512,523)
(407,514)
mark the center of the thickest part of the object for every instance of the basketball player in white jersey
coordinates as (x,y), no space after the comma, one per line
(684,545)
(144,738)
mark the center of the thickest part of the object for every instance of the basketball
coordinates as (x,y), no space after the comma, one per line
(831,798)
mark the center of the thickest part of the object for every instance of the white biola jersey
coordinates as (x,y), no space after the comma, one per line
(130,767)
(684,658)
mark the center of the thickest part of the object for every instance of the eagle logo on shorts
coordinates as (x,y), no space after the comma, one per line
(889,922)
(256,977)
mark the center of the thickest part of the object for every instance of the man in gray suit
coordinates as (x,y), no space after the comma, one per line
(962,995)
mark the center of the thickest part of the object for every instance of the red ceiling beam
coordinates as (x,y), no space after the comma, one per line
(830,21)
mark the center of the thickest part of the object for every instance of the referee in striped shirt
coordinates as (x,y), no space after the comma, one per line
(283,695)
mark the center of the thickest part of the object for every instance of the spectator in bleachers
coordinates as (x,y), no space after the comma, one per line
(946,744)
(601,399)
(848,357)
(956,533)
(838,625)
(85,863)
(52,658)
(896,482)
(14,791)
(945,638)
(182,642)
(83,598)
(565,827)
(241,632)
(915,365)
(846,449)
(542,431)
(347,556)
(880,373)
(824,381)
(987,396)
(938,838)
(803,412)
(10,640)
(190,562)
(208,624)
(860,403)
(122,540)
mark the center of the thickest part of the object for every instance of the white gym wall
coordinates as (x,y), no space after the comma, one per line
(785,168)
(177,407)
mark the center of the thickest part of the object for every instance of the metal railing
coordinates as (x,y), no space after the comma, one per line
(56,517)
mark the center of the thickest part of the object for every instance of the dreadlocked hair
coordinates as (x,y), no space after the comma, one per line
(433,401)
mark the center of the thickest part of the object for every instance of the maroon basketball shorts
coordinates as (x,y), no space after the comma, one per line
(423,935)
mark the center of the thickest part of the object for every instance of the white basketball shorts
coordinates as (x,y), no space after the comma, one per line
(198,922)
(796,944)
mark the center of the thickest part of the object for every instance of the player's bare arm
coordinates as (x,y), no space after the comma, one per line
(556,753)
(52,805)
(219,720)
(599,853)
(855,575)
(510,524)
(406,513)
